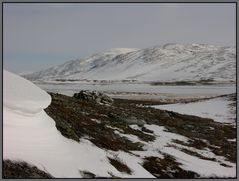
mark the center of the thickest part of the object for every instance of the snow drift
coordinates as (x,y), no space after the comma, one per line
(23,95)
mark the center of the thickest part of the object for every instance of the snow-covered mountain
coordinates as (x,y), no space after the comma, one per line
(170,62)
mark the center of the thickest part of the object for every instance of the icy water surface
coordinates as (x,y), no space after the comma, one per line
(70,88)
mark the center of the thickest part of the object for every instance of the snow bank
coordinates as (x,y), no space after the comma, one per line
(22,95)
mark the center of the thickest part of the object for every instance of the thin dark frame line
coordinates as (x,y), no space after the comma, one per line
(120,2)
(236,96)
(2,90)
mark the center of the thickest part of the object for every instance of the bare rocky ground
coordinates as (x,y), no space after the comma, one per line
(22,170)
(76,118)
(159,98)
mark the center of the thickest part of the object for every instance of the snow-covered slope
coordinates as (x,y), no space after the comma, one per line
(78,65)
(170,62)
(218,109)
(30,135)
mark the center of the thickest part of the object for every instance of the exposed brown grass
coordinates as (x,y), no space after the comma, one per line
(119,165)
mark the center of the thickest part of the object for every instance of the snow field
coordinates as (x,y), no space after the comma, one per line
(218,109)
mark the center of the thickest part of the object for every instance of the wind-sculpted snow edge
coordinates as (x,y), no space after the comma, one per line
(22,95)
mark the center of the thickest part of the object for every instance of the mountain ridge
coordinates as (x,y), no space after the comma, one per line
(166,63)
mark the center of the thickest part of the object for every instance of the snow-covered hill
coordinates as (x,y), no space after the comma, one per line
(170,62)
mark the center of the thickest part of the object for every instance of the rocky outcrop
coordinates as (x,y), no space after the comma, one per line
(94,96)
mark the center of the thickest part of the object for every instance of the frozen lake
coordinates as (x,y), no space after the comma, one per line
(122,90)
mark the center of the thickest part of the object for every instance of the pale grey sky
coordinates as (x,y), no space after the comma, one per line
(37,36)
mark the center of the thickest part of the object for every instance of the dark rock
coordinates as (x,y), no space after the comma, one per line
(94,96)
